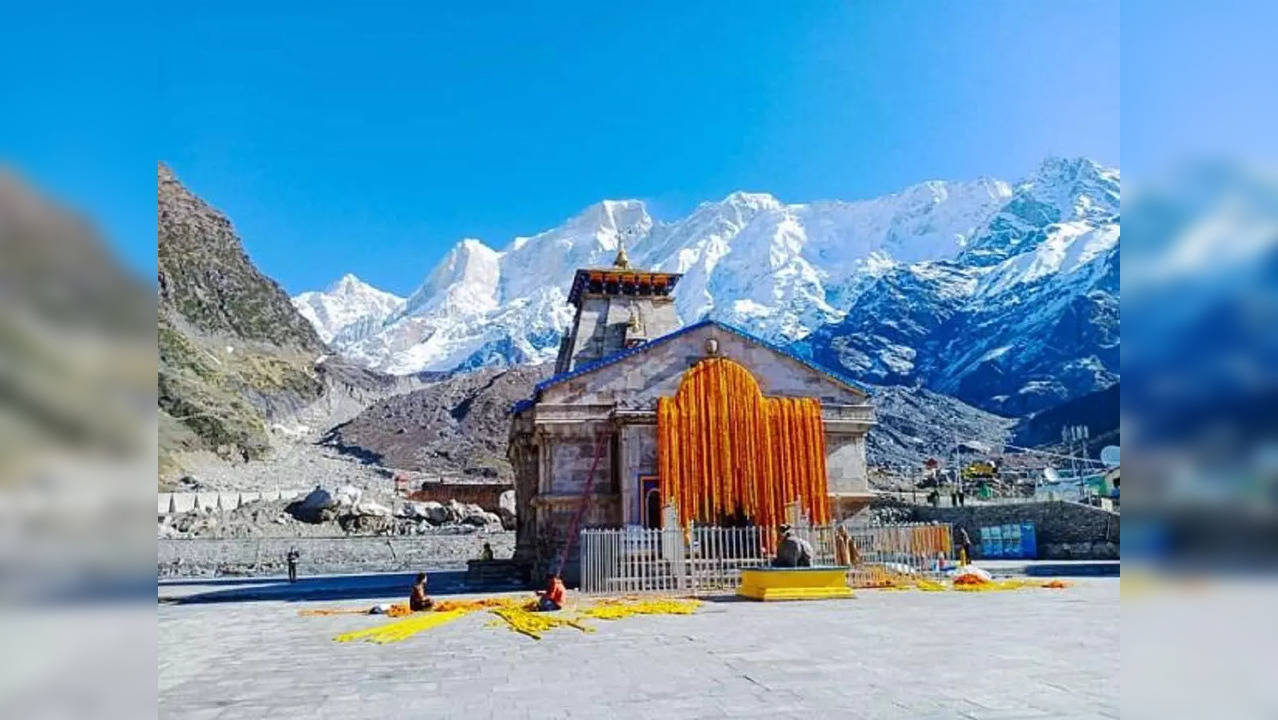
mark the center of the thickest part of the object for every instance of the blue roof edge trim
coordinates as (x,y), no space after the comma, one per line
(522,405)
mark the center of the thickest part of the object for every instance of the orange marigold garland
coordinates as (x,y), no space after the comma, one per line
(724,448)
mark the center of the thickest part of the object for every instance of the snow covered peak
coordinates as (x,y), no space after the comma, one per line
(780,270)
(464,281)
(1074,187)
(346,303)
(752,201)
(588,239)
(349,284)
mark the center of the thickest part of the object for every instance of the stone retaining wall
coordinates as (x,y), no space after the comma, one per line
(266,556)
(1065,530)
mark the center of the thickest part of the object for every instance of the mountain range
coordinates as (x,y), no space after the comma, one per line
(1004,295)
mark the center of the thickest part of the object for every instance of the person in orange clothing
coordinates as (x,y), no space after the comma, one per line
(552,598)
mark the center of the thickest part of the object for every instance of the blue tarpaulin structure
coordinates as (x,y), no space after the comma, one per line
(1009,541)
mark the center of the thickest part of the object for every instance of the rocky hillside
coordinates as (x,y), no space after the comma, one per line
(916,424)
(1098,411)
(208,281)
(457,426)
(233,352)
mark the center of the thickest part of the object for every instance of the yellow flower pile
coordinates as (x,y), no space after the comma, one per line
(401,629)
(516,613)
(535,624)
(617,609)
(487,603)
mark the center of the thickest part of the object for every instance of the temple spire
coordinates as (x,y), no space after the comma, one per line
(623,261)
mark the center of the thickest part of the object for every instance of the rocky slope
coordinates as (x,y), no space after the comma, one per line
(456,426)
(916,424)
(1098,411)
(207,280)
(237,362)
(1003,294)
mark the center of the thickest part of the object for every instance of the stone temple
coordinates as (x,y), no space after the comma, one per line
(643,415)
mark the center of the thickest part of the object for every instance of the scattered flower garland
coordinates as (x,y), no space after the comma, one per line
(402,629)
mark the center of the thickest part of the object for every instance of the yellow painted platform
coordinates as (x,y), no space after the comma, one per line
(811,583)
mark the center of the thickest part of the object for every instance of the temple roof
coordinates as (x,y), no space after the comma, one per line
(617,280)
(618,357)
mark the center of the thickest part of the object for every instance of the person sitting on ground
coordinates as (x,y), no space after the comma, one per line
(552,598)
(792,551)
(418,600)
(487,553)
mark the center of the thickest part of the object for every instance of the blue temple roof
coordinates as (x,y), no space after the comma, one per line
(522,405)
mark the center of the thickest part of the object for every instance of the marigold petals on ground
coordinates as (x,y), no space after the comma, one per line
(401,629)
(535,624)
(617,609)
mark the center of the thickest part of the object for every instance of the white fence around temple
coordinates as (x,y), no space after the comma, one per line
(709,560)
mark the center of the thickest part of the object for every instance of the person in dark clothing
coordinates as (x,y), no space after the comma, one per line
(965,547)
(418,599)
(961,498)
(292,557)
(792,551)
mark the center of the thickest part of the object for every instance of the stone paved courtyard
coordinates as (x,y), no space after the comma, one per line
(1031,653)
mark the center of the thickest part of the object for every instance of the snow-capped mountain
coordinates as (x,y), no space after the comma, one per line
(1024,318)
(865,285)
(348,310)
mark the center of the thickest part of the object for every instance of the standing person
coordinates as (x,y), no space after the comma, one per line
(487,552)
(552,598)
(841,542)
(292,557)
(961,498)
(965,547)
(418,599)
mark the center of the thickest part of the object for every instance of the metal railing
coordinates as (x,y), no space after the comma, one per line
(709,560)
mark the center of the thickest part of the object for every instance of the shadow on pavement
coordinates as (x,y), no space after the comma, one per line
(331,587)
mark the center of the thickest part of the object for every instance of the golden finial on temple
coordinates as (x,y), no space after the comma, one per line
(623,260)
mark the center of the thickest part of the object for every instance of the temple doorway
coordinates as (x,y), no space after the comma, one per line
(650,501)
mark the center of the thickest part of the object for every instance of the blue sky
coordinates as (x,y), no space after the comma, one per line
(371,141)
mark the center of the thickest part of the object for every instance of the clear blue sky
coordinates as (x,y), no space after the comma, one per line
(372,140)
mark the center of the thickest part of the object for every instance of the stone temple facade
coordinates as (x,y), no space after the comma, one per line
(598,411)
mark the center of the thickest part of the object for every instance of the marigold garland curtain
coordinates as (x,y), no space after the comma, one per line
(723,447)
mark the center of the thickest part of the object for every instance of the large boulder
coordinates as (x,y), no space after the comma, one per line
(469,514)
(435,512)
(347,495)
(316,507)
(365,524)
(370,509)
(414,511)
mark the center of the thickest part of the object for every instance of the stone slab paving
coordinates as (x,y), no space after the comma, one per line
(982,656)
